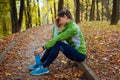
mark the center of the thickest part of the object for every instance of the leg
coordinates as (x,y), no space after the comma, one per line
(71,53)
(40,69)
(37,62)
(52,54)
(68,51)
(45,59)
(45,55)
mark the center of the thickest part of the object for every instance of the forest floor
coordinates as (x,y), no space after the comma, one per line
(103,54)
(14,67)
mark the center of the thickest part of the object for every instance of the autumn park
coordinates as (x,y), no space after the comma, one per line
(27,27)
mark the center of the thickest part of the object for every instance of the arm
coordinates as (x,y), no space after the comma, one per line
(55,31)
(62,36)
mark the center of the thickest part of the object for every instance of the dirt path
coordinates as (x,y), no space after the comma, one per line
(17,61)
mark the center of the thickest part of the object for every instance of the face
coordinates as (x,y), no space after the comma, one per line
(63,20)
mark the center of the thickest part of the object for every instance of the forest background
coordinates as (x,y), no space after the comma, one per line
(19,15)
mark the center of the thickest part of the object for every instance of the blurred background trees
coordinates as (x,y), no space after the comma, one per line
(19,15)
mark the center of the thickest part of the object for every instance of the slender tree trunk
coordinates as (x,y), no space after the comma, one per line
(119,10)
(29,18)
(39,13)
(98,15)
(54,8)
(52,15)
(39,16)
(48,13)
(92,12)
(77,16)
(108,10)
(21,14)
(102,9)
(115,12)
(81,11)
(86,14)
(60,5)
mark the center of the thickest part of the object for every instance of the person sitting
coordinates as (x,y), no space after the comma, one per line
(74,49)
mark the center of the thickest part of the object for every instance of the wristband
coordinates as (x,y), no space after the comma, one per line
(43,47)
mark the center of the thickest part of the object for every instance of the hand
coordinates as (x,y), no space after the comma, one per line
(39,50)
(57,21)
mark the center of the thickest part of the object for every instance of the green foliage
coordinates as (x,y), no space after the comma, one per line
(4,17)
(69,4)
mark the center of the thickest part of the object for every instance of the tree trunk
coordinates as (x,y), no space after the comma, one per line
(16,23)
(102,9)
(119,10)
(86,14)
(77,16)
(98,15)
(28,15)
(81,10)
(108,10)
(52,15)
(54,9)
(13,13)
(92,12)
(115,12)
(60,5)
(21,14)
(39,13)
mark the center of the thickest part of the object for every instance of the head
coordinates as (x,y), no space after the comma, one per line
(64,17)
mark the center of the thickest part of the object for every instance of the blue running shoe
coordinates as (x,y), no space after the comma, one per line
(39,71)
(34,66)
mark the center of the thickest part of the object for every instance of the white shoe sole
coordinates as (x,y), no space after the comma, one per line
(40,73)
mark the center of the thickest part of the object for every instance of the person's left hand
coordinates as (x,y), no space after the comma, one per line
(39,50)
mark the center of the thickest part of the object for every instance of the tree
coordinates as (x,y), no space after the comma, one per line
(60,5)
(86,14)
(20,14)
(54,9)
(13,12)
(92,11)
(39,12)
(115,12)
(107,10)
(82,10)
(52,14)
(16,22)
(98,15)
(28,15)
(102,8)
(77,14)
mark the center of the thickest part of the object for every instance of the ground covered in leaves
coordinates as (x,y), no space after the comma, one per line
(14,67)
(103,54)
(103,49)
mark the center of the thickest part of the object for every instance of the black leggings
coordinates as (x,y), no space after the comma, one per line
(50,54)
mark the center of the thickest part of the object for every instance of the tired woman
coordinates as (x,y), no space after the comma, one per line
(74,49)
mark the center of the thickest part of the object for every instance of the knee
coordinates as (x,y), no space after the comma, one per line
(58,42)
